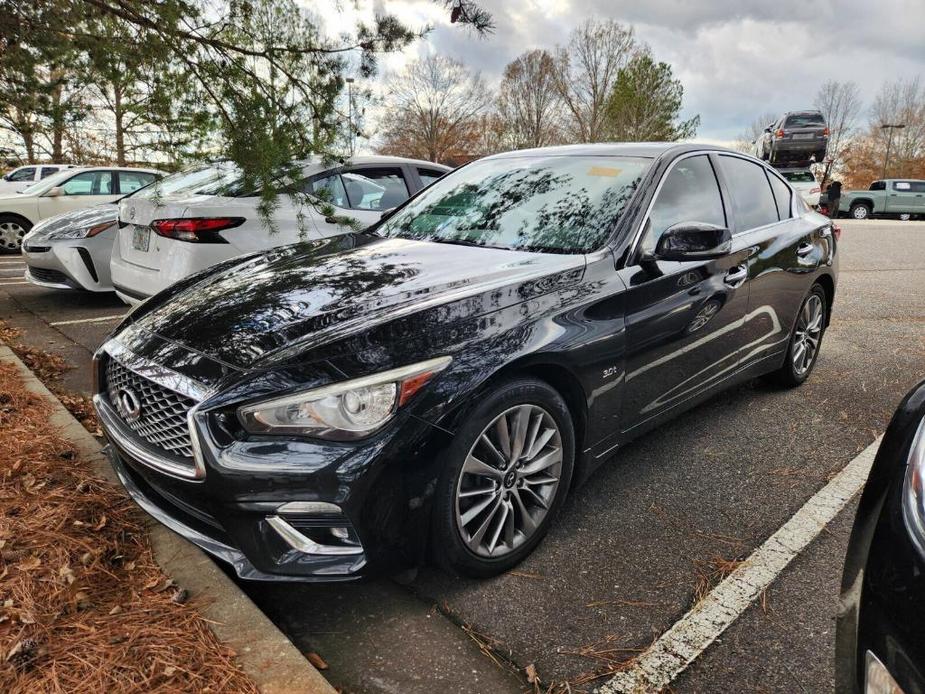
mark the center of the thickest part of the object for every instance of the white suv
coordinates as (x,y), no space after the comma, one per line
(164,238)
(24,176)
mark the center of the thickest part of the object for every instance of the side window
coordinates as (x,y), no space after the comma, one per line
(330,189)
(375,189)
(89,183)
(878,185)
(917,186)
(428,176)
(130,181)
(902,186)
(48,171)
(752,199)
(689,194)
(782,195)
(26,174)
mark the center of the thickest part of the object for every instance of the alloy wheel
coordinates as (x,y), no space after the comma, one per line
(859,212)
(509,481)
(807,336)
(11,235)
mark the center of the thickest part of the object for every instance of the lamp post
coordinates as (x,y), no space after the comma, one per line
(349,81)
(889,142)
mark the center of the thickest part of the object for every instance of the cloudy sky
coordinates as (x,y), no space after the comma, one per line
(736,59)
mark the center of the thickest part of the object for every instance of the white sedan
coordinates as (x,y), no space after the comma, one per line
(66,191)
(164,238)
(24,176)
(805,183)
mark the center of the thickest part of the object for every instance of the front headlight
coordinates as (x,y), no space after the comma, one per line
(914,490)
(79,232)
(342,411)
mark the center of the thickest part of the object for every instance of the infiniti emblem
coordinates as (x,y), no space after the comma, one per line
(128,404)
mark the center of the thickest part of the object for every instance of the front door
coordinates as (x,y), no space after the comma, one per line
(683,319)
(81,190)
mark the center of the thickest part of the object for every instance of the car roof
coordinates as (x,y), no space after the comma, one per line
(382,159)
(649,150)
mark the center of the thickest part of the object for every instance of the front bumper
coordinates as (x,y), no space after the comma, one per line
(284,509)
(74,264)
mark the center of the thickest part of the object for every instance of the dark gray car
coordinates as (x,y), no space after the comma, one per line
(795,138)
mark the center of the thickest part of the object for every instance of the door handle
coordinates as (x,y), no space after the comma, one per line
(736,276)
(804,248)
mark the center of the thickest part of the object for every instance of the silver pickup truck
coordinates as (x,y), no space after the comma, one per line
(892,197)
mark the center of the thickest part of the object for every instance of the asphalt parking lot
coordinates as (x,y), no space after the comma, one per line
(638,542)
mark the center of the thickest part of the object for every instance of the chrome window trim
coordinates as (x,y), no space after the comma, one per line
(157,373)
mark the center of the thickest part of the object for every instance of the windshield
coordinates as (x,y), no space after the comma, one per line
(555,204)
(799,176)
(203,179)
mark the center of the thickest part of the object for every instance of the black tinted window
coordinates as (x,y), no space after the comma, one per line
(690,193)
(878,185)
(805,120)
(23,174)
(782,195)
(752,199)
(48,171)
(917,186)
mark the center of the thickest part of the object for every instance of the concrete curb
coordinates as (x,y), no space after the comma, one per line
(264,653)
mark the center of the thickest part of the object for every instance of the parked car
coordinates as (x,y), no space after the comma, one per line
(902,198)
(24,176)
(435,385)
(795,137)
(804,182)
(73,250)
(163,240)
(880,636)
(65,191)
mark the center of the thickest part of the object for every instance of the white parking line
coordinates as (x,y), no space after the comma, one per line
(683,643)
(101,319)
(10,284)
(12,269)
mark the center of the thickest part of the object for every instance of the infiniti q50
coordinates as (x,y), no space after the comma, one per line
(436,385)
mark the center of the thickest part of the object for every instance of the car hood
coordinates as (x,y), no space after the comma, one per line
(88,217)
(309,294)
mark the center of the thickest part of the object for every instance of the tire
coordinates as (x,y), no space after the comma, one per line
(797,366)
(482,542)
(859,210)
(12,229)
(905,217)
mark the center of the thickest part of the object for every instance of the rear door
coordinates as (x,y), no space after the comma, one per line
(900,197)
(783,250)
(361,192)
(683,319)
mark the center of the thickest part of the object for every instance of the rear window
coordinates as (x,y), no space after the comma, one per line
(878,185)
(804,120)
(798,176)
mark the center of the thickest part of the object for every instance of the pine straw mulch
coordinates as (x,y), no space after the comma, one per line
(49,368)
(83,605)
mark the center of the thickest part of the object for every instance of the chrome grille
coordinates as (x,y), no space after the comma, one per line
(161,413)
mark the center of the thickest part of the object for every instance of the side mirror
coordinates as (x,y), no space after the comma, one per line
(689,241)
(55,192)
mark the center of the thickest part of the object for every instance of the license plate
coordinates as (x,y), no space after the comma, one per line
(803,136)
(141,239)
(878,679)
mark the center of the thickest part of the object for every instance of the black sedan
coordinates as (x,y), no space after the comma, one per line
(881,622)
(438,383)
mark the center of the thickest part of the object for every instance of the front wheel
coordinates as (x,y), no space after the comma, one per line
(805,340)
(905,217)
(507,473)
(12,230)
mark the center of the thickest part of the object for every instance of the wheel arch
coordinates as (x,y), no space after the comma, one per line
(828,286)
(867,202)
(18,217)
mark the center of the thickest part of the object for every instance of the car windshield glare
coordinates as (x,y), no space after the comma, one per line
(553,204)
